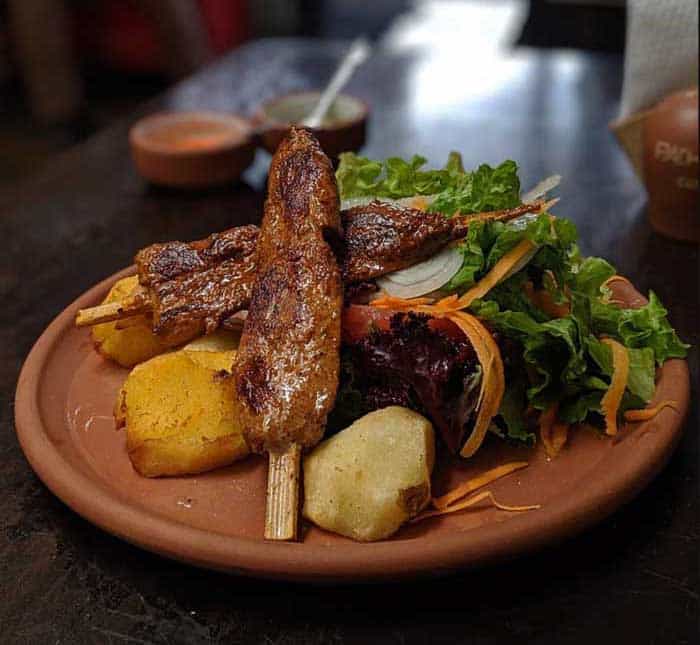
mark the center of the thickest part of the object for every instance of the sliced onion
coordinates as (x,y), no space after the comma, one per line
(417,201)
(424,277)
(541,189)
(520,223)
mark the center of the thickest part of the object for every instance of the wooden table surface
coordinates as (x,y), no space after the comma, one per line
(634,577)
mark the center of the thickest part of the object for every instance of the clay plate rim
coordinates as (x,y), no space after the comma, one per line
(562,517)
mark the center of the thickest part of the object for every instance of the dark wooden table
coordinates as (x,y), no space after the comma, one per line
(634,577)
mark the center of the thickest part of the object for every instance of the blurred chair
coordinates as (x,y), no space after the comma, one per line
(42,34)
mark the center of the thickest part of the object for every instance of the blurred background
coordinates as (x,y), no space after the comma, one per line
(70,67)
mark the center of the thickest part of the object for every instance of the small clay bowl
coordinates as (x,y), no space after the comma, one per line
(192,149)
(343,129)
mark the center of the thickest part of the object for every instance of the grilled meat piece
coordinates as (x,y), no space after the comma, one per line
(194,288)
(381,238)
(287,364)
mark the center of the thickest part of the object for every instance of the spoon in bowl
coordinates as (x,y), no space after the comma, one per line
(357,54)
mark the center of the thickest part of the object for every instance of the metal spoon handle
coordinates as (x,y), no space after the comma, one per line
(357,54)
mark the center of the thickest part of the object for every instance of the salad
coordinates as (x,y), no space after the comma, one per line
(565,342)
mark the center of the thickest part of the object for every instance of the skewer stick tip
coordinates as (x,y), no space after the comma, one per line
(101,313)
(108,312)
(282,511)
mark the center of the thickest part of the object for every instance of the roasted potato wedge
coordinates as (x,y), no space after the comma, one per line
(130,341)
(367,480)
(215,351)
(178,412)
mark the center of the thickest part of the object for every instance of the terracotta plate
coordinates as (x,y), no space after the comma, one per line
(64,422)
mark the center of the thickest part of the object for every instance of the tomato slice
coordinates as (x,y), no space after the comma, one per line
(359,320)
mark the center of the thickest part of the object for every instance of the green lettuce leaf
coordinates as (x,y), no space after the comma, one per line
(510,414)
(394,178)
(640,380)
(475,249)
(488,241)
(591,274)
(647,326)
(485,189)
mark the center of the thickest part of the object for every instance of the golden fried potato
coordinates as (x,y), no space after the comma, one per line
(178,412)
(134,342)
(215,351)
(367,480)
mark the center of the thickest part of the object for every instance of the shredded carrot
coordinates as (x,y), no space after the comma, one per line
(400,304)
(557,440)
(613,396)
(449,303)
(500,270)
(493,381)
(650,413)
(472,501)
(553,433)
(420,203)
(477,482)
(548,421)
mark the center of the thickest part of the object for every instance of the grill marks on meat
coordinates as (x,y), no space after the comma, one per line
(381,238)
(194,288)
(288,360)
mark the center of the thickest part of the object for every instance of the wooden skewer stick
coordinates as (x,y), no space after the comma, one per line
(109,312)
(282,511)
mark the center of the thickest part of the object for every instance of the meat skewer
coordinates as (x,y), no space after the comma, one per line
(188,289)
(193,288)
(287,365)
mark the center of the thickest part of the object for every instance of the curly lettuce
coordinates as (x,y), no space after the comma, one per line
(453,189)
(559,359)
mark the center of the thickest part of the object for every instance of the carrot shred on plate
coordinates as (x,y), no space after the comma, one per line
(473,484)
(650,413)
(560,435)
(472,501)
(613,396)
(553,433)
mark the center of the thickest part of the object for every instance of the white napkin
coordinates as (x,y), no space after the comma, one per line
(661,53)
